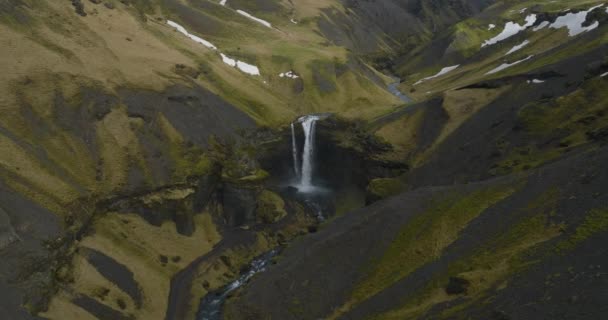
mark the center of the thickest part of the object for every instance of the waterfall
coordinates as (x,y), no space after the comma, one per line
(294,151)
(309,123)
(304,171)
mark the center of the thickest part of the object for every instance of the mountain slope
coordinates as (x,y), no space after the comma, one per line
(144,146)
(497,248)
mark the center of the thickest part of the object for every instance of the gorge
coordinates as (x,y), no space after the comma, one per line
(303,159)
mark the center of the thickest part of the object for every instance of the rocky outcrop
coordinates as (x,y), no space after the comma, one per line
(179,203)
(79,7)
(239,203)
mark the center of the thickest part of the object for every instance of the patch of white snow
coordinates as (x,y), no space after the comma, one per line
(258,20)
(194,38)
(227,60)
(223,2)
(491,26)
(289,74)
(574,22)
(439,74)
(536,81)
(511,29)
(248,68)
(518,47)
(243,66)
(507,65)
(604,75)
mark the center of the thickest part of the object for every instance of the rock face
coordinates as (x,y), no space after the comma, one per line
(397,23)
(178,203)
(79,7)
(239,203)
(7,233)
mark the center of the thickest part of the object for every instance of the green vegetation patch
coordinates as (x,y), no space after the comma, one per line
(424,238)
(385,187)
(270,207)
(595,222)
(488,267)
(571,121)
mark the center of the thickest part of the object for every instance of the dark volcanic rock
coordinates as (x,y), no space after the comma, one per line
(115,272)
(99,310)
(457,285)
(79,7)
(24,269)
(239,203)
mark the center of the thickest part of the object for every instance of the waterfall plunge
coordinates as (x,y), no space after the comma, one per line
(305,173)
(309,125)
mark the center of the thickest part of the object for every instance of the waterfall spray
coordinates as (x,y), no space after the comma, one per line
(309,125)
(304,171)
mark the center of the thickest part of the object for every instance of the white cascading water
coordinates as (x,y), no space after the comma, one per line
(294,151)
(309,124)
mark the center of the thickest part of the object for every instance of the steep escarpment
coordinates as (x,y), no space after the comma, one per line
(389,26)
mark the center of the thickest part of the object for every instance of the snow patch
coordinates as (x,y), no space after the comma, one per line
(439,74)
(293,21)
(191,36)
(227,60)
(223,2)
(511,29)
(536,81)
(604,75)
(507,65)
(491,26)
(518,47)
(243,66)
(523,10)
(248,68)
(258,20)
(289,74)
(574,22)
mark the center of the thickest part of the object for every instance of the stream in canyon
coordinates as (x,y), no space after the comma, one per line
(312,195)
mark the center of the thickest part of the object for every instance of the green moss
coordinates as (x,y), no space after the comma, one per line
(525,158)
(424,237)
(490,265)
(385,187)
(270,207)
(570,121)
(468,36)
(581,110)
(595,222)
